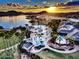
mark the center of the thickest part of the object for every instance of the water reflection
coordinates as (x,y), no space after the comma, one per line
(13,21)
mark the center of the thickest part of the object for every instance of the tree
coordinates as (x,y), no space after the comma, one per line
(32,21)
(54,25)
(1,27)
(27,33)
(2,34)
(17,33)
(71,40)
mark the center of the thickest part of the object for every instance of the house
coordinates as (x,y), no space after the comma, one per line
(76,36)
(70,28)
(66,28)
(27,46)
(74,20)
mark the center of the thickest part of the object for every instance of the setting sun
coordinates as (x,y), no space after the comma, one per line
(51,9)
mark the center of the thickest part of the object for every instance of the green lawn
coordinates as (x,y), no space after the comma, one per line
(4,43)
(7,54)
(47,54)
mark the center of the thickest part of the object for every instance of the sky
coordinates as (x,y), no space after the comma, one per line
(32,1)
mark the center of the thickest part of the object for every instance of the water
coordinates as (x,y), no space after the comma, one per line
(13,21)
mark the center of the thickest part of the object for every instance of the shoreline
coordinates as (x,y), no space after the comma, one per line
(15,13)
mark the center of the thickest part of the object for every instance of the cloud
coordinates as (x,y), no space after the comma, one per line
(44,2)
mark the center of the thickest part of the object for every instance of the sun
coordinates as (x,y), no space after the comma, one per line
(51,9)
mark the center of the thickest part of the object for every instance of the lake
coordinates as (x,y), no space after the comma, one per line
(8,22)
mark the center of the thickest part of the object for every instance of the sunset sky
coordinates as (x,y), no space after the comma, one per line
(51,9)
(33,1)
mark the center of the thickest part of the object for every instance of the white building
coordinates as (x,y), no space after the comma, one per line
(40,33)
